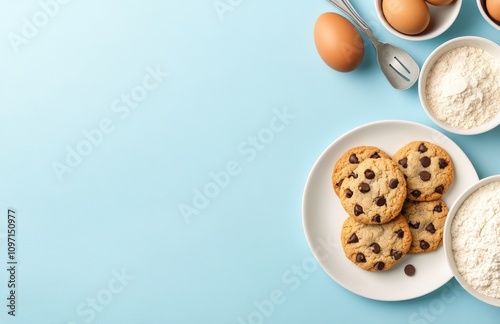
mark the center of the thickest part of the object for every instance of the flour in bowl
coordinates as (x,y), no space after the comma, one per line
(463,87)
(475,238)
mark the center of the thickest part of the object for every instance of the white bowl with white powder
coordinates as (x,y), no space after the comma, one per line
(472,240)
(459,85)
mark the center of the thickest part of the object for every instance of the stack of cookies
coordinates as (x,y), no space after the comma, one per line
(393,204)
(429,173)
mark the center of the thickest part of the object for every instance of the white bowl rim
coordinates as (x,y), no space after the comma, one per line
(482,10)
(447,239)
(419,37)
(429,62)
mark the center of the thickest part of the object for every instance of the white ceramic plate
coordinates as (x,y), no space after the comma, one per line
(323,215)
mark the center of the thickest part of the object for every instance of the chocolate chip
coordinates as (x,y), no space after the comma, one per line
(353,159)
(380,201)
(358,210)
(442,163)
(364,187)
(410,270)
(340,183)
(360,257)
(379,266)
(438,208)
(396,254)
(415,193)
(425,176)
(415,226)
(353,239)
(424,245)
(425,161)
(375,155)
(375,248)
(393,184)
(376,218)
(369,174)
(430,228)
(400,233)
(403,162)
(422,148)
(348,193)
(439,189)
(352,175)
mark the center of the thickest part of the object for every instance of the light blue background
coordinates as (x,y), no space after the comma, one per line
(111,234)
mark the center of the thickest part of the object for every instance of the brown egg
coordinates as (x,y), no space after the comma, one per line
(439,2)
(409,17)
(338,42)
(493,8)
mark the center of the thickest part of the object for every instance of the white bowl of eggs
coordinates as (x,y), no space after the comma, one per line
(490,10)
(417,20)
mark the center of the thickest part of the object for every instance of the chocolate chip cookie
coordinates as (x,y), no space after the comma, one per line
(428,170)
(350,160)
(376,247)
(426,220)
(374,192)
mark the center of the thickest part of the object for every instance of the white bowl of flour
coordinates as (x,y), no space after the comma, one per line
(459,85)
(472,240)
